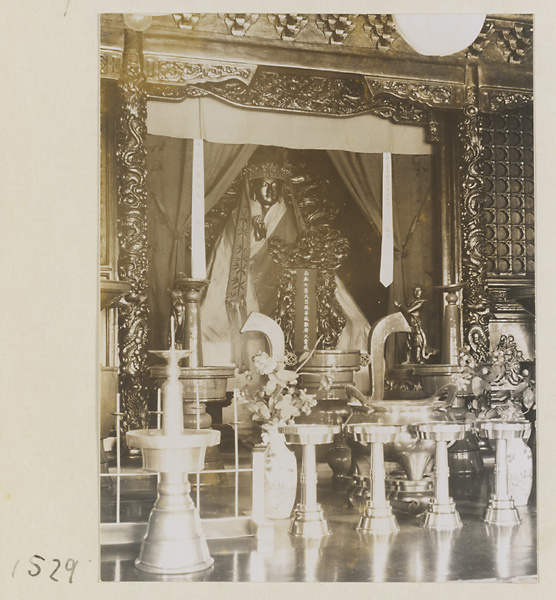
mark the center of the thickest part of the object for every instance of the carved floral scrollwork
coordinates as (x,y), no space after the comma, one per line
(185,72)
(338,96)
(132,234)
(312,196)
(476,297)
(505,100)
(319,248)
(429,94)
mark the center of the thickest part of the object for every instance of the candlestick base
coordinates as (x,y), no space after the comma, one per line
(442,516)
(309,522)
(175,542)
(378,520)
(501,511)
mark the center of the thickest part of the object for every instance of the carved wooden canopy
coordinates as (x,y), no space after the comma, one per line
(328,64)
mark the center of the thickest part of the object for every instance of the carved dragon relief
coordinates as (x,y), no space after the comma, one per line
(132,235)
(302,93)
(476,304)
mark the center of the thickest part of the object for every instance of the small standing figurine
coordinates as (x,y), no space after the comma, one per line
(178,312)
(417,349)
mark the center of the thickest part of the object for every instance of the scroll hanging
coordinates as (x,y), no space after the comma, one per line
(198,259)
(387,248)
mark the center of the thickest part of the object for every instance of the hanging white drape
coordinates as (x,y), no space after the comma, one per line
(215,121)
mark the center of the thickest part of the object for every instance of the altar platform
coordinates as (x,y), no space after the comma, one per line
(476,553)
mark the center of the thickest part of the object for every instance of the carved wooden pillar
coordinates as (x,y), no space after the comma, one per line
(476,305)
(132,233)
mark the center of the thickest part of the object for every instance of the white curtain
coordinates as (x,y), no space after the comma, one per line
(215,121)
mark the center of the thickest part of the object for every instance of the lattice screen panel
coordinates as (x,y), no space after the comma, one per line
(509,208)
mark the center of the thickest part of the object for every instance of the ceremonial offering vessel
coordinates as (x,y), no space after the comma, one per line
(308,519)
(413,453)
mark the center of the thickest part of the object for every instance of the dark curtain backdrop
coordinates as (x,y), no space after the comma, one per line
(169,164)
(169,161)
(416,260)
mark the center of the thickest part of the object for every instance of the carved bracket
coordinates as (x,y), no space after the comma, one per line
(288,26)
(186,21)
(381,29)
(514,41)
(239,23)
(336,27)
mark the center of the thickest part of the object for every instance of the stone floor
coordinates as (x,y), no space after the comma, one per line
(476,552)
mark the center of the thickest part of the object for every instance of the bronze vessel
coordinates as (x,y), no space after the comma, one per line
(413,454)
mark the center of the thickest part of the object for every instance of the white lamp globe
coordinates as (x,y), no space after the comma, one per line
(439,35)
(137,22)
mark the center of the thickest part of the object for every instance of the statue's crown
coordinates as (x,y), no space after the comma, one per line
(268,169)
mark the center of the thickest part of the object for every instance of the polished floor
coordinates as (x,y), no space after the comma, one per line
(476,552)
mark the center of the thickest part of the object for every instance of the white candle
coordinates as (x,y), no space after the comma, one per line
(172,334)
(236,395)
(387,249)
(198,261)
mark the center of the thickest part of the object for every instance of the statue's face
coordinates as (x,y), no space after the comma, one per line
(418,292)
(266,190)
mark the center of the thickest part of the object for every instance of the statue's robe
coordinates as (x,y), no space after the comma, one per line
(262,288)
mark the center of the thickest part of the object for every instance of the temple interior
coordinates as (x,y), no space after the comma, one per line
(317,279)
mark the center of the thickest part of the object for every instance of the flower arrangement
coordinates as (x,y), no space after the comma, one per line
(279,401)
(500,373)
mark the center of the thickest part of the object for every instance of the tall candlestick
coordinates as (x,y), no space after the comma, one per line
(198,261)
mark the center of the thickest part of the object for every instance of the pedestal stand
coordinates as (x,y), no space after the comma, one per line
(501,509)
(308,520)
(377,514)
(441,513)
(174,542)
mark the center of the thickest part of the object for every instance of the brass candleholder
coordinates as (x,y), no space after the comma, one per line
(377,517)
(200,384)
(308,520)
(501,509)
(441,513)
(174,543)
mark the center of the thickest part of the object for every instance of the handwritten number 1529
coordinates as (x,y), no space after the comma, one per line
(38,563)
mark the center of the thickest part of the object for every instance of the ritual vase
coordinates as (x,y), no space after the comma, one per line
(280,476)
(520,470)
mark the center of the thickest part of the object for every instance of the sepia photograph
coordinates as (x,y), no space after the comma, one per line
(317,334)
